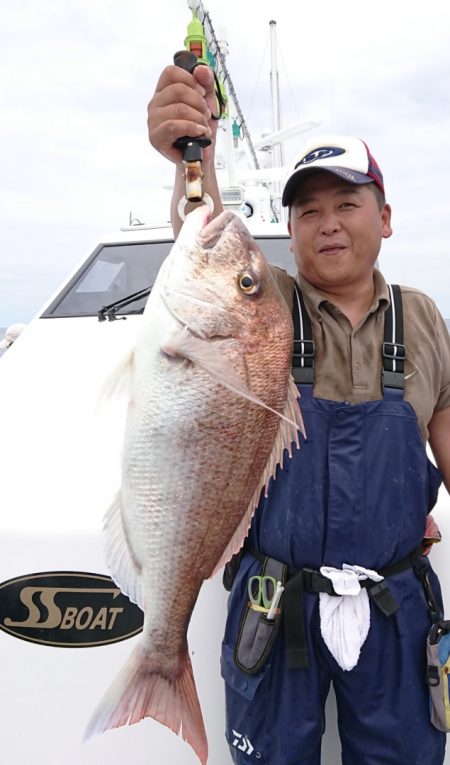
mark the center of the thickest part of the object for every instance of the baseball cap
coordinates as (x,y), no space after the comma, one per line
(345,156)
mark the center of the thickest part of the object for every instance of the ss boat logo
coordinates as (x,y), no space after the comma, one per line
(68,609)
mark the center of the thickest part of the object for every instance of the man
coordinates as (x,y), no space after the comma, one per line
(343,522)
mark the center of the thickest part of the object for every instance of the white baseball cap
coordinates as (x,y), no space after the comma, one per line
(345,156)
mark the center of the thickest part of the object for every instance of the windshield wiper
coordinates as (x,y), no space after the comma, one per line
(109,311)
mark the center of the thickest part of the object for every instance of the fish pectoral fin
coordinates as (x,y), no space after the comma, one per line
(287,435)
(184,344)
(118,381)
(118,555)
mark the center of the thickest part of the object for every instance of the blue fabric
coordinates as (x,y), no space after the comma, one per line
(357,492)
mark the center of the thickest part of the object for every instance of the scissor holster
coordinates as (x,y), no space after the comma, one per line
(256,632)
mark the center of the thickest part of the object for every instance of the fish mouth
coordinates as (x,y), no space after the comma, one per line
(205,298)
(214,229)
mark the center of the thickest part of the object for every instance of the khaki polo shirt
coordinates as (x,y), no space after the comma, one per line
(348,359)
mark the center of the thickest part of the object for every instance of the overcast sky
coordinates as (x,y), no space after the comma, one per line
(76,76)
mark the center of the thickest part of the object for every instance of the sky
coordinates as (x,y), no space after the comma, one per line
(76,77)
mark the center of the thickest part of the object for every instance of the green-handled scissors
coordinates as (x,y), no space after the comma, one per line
(261,590)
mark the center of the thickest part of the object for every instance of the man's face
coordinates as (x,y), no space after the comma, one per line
(336,230)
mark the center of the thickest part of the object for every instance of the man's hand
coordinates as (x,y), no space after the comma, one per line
(182,106)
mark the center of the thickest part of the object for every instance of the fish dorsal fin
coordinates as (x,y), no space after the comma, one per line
(118,557)
(182,343)
(287,436)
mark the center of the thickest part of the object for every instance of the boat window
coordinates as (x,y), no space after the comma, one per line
(115,271)
(276,250)
(112,272)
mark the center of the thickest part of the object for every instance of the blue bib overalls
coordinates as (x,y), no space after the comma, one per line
(358,492)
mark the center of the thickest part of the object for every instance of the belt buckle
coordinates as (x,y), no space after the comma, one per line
(382,597)
(312,580)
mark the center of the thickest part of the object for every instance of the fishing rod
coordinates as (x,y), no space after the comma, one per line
(203,47)
(216,49)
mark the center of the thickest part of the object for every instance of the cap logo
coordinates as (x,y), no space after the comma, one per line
(323,152)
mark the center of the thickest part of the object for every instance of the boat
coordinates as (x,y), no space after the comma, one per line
(60,457)
(65,628)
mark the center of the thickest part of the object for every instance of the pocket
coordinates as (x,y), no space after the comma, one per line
(249,631)
(246,711)
(256,637)
(257,633)
(242,683)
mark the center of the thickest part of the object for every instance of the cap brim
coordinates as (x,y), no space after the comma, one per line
(293,184)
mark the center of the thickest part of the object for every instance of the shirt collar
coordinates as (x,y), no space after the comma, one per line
(316,299)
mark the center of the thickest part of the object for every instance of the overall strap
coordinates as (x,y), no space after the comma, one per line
(393,351)
(304,348)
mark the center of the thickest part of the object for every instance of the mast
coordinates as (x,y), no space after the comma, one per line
(278,151)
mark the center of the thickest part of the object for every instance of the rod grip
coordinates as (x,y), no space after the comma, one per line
(186,60)
(190,146)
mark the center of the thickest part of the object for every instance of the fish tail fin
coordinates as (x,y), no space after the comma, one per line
(140,691)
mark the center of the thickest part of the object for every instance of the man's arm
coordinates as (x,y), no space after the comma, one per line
(182,105)
(439,430)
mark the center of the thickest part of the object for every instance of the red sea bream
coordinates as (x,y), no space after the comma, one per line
(212,406)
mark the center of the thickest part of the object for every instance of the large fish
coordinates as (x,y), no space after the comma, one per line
(212,407)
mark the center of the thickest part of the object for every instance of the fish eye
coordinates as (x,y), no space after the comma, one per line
(248,283)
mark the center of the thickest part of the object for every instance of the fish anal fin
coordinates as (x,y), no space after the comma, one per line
(124,569)
(140,691)
(287,435)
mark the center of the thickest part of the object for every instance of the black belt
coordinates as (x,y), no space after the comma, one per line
(303,580)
